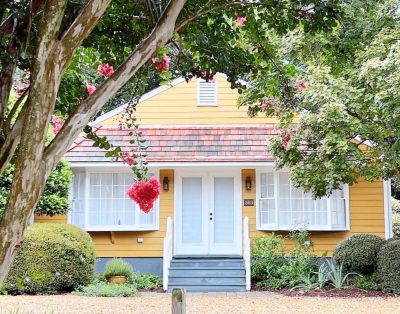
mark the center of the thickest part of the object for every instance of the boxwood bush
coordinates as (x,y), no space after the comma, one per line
(389,266)
(52,258)
(359,253)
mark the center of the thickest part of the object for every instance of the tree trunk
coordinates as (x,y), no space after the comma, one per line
(30,170)
(34,162)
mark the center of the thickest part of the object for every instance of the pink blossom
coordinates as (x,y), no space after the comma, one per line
(55,119)
(57,124)
(57,128)
(162,65)
(285,141)
(303,85)
(128,159)
(105,69)
(91,88)
(241,20)
(145,193)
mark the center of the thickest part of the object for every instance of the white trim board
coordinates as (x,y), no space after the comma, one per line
(143,98)
(387,205)
(176,164)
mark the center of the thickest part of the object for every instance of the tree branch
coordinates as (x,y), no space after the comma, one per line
(7,149)
(203,11)
(14,109)
(160,35)
(82,26)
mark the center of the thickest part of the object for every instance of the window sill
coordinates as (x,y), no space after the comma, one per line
(311,228)
(120,228)
(207,105)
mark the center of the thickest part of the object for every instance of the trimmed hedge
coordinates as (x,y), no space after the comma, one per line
(52,258)
(359,253)
(389,266)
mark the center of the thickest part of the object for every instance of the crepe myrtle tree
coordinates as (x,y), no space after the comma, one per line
(46,44)
(342,119)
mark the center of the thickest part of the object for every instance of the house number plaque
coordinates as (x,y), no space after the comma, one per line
(248,202)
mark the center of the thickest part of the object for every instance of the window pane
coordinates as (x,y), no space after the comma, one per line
(267,211)
(110,206)
(77,213)
(267,185)
(296,208)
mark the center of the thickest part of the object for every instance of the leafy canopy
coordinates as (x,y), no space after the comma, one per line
(340,116)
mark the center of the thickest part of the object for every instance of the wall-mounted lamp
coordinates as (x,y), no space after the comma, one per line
(248,183)
(166,184)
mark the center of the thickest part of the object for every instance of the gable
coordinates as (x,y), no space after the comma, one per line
(178,105)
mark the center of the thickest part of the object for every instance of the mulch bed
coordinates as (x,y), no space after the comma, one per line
(328,292)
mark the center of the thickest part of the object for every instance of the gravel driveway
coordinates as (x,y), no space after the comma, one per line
(253,302)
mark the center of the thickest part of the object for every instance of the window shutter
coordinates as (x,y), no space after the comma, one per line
(206,93)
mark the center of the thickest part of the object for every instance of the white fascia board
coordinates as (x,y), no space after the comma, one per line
(387,204)
(143,98)
(243,82)
(167,165)
(148,95)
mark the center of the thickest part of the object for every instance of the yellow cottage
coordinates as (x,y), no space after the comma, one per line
(219,189)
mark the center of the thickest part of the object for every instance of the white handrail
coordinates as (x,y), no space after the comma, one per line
(246,252)
(167,254)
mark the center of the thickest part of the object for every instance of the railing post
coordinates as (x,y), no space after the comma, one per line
(178,301)
(246,252)
(167,253)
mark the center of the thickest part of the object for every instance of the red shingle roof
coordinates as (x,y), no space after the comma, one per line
(185,143)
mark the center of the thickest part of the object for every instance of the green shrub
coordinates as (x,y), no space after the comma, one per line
(267,257)
(271,268)
(389,266)
(359,253)
(103,289)
(147,281)
(52,258)
(369,282)
(396,225)
(395,205)
(54,199)
(118,267)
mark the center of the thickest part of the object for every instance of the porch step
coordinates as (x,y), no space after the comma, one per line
(207,274)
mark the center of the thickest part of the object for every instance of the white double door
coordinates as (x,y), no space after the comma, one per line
(208,213)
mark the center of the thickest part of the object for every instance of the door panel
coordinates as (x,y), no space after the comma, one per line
(192,211)
(225,228)
(208,213)
(190,215)
(224,213)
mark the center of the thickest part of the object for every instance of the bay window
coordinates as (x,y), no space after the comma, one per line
(100,203)
(281,206)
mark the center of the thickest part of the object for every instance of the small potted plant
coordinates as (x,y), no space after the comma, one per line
(118,272)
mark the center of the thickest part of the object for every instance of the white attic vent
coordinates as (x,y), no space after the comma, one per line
(207,93)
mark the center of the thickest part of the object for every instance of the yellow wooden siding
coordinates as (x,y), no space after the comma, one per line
(366,214)
(178,105)
(62,219)
(125,243)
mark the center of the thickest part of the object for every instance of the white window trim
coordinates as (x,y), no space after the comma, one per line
(136,227)
(277,227)
(215,104)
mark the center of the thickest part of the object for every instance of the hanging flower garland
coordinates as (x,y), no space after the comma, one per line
(145,190)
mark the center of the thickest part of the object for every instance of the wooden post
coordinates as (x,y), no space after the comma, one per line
(178,301)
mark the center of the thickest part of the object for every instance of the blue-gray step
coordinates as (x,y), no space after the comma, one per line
(204,274)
